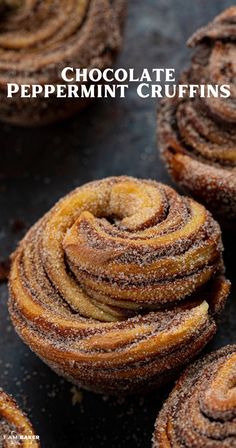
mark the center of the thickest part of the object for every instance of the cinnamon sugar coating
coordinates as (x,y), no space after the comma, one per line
(201,410)
(13,422)
(117,286)
(39,39)
(197,135)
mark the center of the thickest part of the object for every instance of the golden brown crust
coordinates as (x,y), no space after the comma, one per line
(13,422)
(116,286)
(197,135)
(201,410)
(39,39)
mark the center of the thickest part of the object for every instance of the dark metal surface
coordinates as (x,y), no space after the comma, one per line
(37,167)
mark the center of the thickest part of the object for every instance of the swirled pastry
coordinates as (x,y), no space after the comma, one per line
(39,38)
(201,410)
(15,428)
(197,135)
(117,286)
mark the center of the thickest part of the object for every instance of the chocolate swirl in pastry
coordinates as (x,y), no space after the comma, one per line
(197,135)
(117,286)
(14,424)
(201,410)
(39,38)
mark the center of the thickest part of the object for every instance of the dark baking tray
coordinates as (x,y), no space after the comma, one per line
(38,166)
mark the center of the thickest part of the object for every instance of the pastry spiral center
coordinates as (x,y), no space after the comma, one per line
(128,206)
(133,245)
